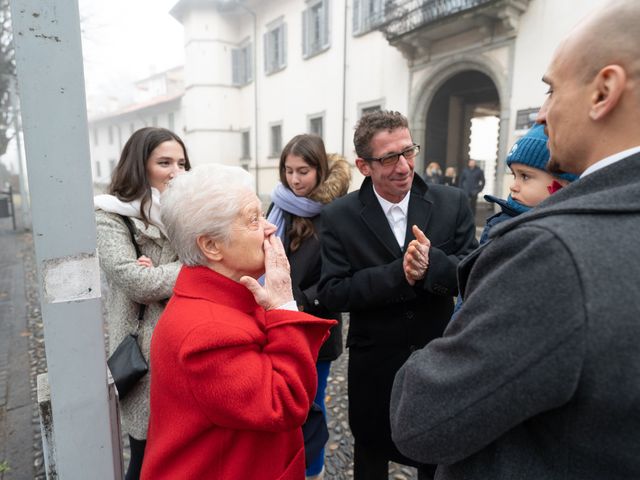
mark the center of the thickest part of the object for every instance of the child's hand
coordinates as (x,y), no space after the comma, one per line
(144,261)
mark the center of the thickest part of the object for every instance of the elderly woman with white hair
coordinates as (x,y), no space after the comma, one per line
(232,362)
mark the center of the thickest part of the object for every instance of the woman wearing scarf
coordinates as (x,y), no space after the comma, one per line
(309,180)
(149,160)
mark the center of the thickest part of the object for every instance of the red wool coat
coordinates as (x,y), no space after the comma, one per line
(231,384)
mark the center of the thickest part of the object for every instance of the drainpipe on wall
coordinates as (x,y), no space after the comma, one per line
(344,80)
(254,17)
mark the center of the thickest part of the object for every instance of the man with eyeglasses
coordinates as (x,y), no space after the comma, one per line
(398,289)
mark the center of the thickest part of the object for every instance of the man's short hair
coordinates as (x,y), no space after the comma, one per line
(372,123)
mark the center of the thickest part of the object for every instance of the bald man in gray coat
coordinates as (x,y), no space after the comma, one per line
(538,377)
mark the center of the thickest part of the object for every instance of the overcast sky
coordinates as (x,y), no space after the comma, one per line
(126,40)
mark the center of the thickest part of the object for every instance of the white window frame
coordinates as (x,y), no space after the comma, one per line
(316,116)
(316,28)
(275,46)
(367,15)
(275,150)
(242,64)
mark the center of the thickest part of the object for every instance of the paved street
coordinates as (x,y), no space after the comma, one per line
(22,357)
(18,426)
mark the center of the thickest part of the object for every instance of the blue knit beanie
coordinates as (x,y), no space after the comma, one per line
(532,150)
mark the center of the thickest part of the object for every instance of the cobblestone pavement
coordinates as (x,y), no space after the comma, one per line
(339,449)
(38,360)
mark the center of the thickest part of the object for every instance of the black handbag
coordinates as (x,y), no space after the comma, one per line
(126,363)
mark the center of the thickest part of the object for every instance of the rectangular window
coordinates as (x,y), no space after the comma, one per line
(154,121)
(316,125)
(367,15)
(526,119)
(110,135)
(171,122)
(275,47)
(98,170)
(95,136)
(242,65)
(132,128)
(276,140)
(315,28)
(372,108)
(246,145)
(112,165)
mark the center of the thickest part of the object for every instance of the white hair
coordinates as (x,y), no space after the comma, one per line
(203,201)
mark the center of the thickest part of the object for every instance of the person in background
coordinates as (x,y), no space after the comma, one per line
(151,158)
(531,184)
(537,376)
(309,180)
(232,362)
(365,235)
(450,177)
(433,174)
(472,182)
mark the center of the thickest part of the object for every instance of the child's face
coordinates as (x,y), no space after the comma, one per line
(529,186)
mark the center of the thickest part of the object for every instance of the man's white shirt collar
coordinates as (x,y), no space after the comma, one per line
(605,162)
(398,226)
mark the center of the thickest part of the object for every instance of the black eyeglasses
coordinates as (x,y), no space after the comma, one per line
(392,158)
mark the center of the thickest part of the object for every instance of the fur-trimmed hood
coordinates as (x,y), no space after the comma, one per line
(337,182)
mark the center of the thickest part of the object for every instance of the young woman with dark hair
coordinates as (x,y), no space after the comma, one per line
(309,179)
(150,159)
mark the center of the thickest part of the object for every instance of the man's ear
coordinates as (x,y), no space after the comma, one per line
(363,167)
(209,248)
(609,85)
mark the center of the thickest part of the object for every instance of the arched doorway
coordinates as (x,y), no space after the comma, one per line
(462,122)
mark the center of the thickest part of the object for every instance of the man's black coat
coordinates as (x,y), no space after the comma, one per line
(362,274)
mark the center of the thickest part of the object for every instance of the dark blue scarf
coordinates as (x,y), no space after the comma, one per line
(517,206)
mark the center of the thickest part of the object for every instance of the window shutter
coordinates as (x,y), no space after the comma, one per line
(265,44)
(235,66)
(305,33)
(283,46)
(326,30)
(356,17)
(249,61)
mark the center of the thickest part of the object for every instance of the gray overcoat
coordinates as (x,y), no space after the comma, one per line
(130,285)
(538,376)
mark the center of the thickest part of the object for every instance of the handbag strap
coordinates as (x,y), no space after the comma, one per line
(142,306)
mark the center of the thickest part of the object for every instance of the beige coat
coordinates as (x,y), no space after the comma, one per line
(130,285)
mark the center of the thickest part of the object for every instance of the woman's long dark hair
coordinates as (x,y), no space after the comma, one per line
(129,179)
(311,149)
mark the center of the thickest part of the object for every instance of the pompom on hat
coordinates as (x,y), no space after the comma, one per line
(531,150)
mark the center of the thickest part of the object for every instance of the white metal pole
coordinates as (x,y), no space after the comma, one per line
(54,118)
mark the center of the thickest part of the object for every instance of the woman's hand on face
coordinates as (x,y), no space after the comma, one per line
(277,277)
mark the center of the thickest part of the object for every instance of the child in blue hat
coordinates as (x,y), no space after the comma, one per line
(532,183)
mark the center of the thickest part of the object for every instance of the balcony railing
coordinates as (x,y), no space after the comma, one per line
(404,16)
